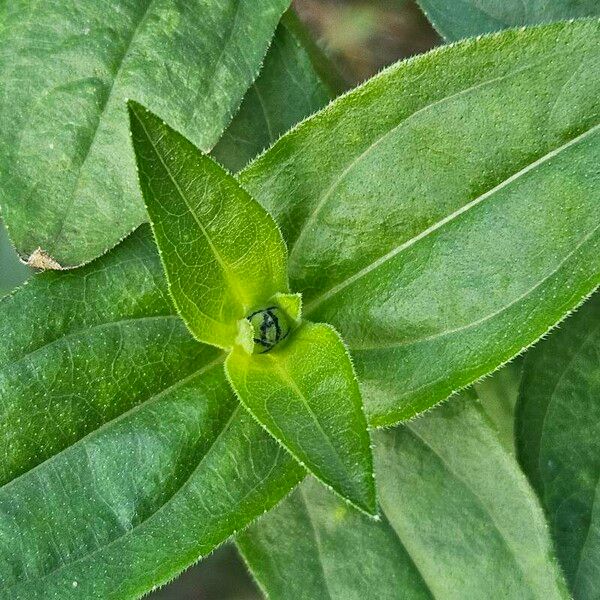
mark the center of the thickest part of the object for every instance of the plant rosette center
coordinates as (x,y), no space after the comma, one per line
(265,328)
(269,327)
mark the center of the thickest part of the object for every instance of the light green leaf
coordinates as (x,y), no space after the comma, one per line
(459,521)
(456,19)
(286,91)
(223,253)
(498,394)
(67,178)
(558,441)
(125,455)
(304,392)
(451,218)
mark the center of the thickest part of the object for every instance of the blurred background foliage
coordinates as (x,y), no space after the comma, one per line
(12,271)
(361,37)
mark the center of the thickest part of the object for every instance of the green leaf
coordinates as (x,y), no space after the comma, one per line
(286,91)
(458,521)
(304,392)
(498,394)
(223,253)
(67,179)
(456,19)
(558,441)
(125,454)
(444,215)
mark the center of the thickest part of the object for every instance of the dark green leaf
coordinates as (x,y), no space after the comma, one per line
(456,19)
(459,521)
(120,303)
(305,393)
(125,455)
(223,254)
(445,215)
(558,441)
(67,178)
(286,91)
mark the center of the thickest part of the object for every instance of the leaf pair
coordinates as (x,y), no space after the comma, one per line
(226,264)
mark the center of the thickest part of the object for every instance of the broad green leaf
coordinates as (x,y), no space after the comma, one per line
(67,178)
(286,91)
(456,19)
(125,455)
(558,441)
(223,253)
(458,521)
(444,215)
(304,392)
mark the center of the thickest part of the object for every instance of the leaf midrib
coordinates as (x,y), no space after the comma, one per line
(306,226)
(155,396)
(325,296)
(287,378)
(82,332)
(222,263)
(487,317)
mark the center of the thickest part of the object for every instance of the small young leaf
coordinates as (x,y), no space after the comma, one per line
(223,253)
(67,173)
(456,19)
(304,392)
(459,522)
(558,441)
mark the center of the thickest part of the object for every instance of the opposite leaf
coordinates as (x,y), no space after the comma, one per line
(558,441)
(306,395)
(67,174)
(223,254)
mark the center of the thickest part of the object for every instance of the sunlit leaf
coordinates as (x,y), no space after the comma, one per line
(223,253)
